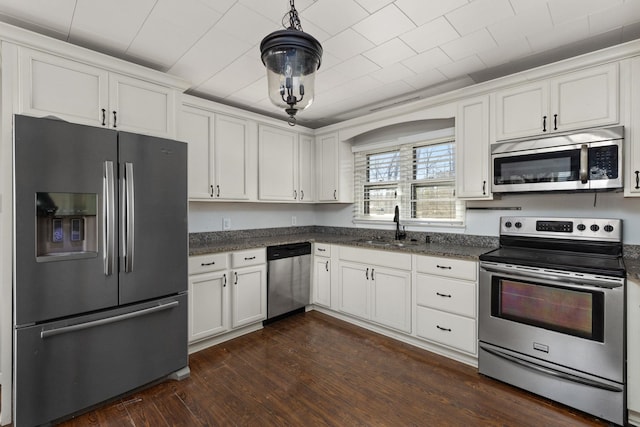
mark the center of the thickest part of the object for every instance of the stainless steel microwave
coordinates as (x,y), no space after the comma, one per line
(587,160)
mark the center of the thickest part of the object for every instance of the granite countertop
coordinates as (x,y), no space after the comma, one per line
(468,249)
(440,244)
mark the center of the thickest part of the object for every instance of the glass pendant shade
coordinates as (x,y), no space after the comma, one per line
(292,58)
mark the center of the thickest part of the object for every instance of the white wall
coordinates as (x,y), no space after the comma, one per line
(205,216)
(209,216)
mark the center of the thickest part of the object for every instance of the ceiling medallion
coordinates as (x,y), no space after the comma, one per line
(292,58)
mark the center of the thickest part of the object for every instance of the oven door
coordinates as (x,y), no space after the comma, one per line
(573,321)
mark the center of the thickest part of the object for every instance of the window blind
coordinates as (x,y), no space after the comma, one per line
(418,177)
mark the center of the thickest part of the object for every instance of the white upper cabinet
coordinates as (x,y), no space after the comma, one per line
(472,149)
(334,169)
(195,126)
(576,100)
(231,153)
(219,154)
(306,169)
(286,165)
(81,93)
(632,131)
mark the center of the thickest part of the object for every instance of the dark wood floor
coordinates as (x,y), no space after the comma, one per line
(311,370)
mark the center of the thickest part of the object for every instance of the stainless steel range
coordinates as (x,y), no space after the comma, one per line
(552,312)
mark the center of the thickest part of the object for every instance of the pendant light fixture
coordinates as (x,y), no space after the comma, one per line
(291,57)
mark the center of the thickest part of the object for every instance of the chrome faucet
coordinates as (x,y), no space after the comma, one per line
(396,218)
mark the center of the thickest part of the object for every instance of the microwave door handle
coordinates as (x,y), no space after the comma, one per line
(584,163)
(129,217)
(108,190)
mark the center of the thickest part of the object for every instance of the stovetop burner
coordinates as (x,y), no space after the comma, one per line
(583,245)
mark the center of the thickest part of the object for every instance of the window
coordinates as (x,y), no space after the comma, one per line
(418,177)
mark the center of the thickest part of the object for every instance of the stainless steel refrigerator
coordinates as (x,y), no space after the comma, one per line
(100,276)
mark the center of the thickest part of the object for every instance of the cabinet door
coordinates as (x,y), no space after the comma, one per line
(472,149)
(208,305)
(322,281)
(70,90)
(632,131)
(633,345)
(584,98)
(354,287)
(249,295)
(196,128)
(141,107)
(278,164)
(521,110)
(327,163)
(231,144)
(306,168)
(391,298)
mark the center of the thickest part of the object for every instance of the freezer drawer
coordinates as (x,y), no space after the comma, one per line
(65,366)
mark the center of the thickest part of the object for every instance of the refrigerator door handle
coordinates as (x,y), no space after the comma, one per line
(129,217)
(108,183)
(107,320)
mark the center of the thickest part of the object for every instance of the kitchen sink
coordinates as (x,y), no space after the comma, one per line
(385,243)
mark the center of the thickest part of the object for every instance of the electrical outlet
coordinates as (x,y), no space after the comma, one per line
(226,223)
(294,220)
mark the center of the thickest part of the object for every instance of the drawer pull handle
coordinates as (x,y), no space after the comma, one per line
(443,329)
(115,120)
(444,267)
(204,264)
(236,281)
(443,295)
(104,117)
(321,250)
(372,274)
(326,265)
(224,283)
(249,258)
(367,274)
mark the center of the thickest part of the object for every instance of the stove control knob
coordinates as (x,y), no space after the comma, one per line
(582,227)
(595,228)
(518,224)
(508,224)
(608,228)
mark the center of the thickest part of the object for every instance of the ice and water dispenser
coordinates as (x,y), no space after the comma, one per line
(66,226)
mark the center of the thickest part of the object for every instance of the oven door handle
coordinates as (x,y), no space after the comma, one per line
(551,372)
(547,276)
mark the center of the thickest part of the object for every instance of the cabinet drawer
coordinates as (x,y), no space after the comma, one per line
(249,257)
(448,329)
(448,267)
(206,263)
(453,296)
(322,249)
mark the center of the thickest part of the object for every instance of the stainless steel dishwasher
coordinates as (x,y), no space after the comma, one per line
(288,278)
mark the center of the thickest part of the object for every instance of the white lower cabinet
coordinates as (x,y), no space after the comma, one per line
(633,351)
(321,274)
(226,291)
(446,302)
(371,289)
(249,288)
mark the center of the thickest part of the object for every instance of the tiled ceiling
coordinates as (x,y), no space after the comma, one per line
(377,53)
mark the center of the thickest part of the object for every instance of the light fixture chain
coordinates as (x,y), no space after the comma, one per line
(294,19)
